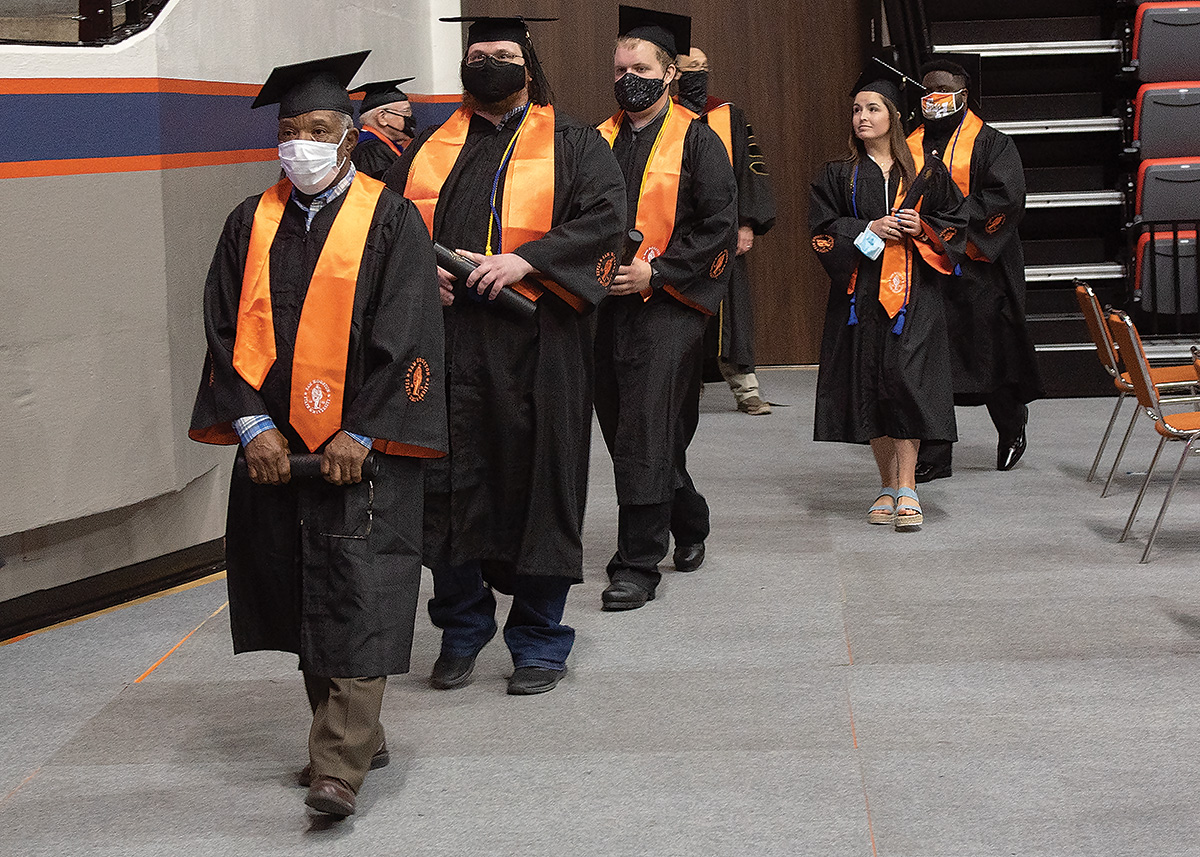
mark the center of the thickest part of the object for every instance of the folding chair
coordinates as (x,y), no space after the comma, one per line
(1166,119)
(1166,379)
(1182,426)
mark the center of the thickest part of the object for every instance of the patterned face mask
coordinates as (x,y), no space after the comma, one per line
(939,105)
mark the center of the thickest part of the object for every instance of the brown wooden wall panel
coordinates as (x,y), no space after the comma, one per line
(789,66)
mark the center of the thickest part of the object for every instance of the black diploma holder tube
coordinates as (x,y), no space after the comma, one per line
(460,267)
(308,466)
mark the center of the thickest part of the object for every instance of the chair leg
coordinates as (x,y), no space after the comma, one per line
(1120,452)
(1142,493)
(1187,448)
(1104,441)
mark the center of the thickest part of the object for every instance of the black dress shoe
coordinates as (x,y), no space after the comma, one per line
(624,595)
(1009,452)
(526,681)
(330,796)
(379,760)
(451,671)
(688,557)
(930,472)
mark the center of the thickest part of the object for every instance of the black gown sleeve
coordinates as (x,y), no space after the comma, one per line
(373,158)
(711,189)
(589,217)
(402,398)
(833,225)
(756,202)
(994,208)
(224,395)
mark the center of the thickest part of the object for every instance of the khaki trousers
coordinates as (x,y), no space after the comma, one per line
(346,730)
(742,384)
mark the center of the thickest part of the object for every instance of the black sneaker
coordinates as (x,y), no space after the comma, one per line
(451,671)
(526,681)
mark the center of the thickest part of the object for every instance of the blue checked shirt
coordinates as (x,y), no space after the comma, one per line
(251,427)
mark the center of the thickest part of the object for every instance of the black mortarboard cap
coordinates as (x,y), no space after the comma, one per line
(381,92)
(312,85)
(889,82)
(486,29)
(672,33)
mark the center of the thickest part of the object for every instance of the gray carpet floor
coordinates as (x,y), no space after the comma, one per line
(1006,681)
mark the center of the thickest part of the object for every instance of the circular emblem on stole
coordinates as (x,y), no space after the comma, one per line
(822,243)
(896,283)
(948,234)
(718,264)
(317,396)
(994,223)
(652,254)
(606,269)
(416,380)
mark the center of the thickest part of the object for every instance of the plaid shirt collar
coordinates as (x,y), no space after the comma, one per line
(324,197)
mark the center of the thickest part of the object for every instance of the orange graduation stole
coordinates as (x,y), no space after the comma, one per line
(382,138)
(524,216)
(659,192)
(323,336)
(720,119)
(957,159)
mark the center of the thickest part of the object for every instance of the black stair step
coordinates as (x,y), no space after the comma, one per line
(1054,328)
(1015,108)
(1060,74)
(1065,251)
(1074,372)
(982,10)
(1012,30)
(1060,299)
(1047,224)
(1065,178)
(1092,151)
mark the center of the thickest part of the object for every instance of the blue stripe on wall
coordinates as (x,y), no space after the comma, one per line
(110,125)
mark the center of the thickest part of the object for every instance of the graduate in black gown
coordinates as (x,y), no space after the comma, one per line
(885,361)
(650,331)
(729,339)
(537,200)
(992,354)
(324,335)
(386,117)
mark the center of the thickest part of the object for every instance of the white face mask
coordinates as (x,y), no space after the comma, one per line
(939,105)
(311,166)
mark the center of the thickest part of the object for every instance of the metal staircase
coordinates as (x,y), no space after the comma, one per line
(1049,79)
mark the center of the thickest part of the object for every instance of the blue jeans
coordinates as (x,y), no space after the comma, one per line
(465,609)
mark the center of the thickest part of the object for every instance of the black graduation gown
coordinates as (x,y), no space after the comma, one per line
(346,606)
(513,489)
(731,334)
(372,156)
(990,345)
(648,353)
(873,382)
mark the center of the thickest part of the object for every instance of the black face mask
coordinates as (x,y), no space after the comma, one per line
(636,94)
(693,90)
(410,126)
(493,80)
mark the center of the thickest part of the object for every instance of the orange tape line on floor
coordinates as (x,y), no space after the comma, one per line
(158,663)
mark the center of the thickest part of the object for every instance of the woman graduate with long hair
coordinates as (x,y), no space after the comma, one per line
(883,233)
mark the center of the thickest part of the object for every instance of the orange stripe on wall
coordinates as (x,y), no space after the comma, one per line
(434,99)
(132,164)
(105,85)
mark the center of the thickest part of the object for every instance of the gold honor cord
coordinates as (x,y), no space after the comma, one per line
(493,214)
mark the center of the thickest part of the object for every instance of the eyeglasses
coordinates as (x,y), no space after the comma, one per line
(475,60)
(397,113)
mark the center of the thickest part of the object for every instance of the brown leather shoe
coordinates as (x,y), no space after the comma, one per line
(379,760)
(754,406)
(330,796)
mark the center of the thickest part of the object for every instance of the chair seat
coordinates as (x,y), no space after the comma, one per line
(1185,423)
